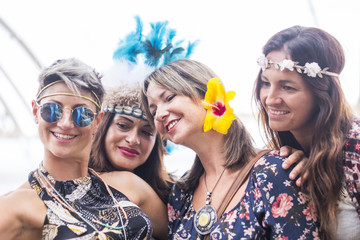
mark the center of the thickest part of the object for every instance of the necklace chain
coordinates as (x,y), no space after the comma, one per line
(208,194)
(71,208)
(206,217)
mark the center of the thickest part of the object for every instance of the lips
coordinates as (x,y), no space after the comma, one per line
(171,125)
(63,137)
(274,112)
(129,152)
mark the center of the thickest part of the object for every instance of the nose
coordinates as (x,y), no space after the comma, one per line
(272,96)
(161,114)
(66,122)
(132,137)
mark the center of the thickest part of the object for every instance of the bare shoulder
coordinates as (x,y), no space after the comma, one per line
(122,178)
(128,183)
(23,200)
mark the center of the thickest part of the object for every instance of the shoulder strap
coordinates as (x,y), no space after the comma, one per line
(239,181)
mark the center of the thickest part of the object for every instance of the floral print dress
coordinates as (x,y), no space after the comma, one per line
(272,208)
(352,164)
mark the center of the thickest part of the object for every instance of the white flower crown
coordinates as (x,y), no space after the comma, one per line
(311,69)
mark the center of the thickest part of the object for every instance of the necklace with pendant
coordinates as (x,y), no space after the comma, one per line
(60,199)
(205,218)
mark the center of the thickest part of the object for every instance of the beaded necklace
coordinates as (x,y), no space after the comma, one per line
(61,200)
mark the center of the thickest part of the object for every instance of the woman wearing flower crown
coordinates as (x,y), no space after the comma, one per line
(63,198)
(217,197)
(302,105)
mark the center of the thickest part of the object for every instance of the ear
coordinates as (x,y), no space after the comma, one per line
(99,116)
(35,109)
(98,119)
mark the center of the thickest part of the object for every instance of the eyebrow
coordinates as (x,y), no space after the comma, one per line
(130,120)
(281,80)
(126,118)
(160,96)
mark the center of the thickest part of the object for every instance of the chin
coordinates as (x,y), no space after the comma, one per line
(278,127)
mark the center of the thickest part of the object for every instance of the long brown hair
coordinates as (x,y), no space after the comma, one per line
(152,171)
(189,78)
(332,120)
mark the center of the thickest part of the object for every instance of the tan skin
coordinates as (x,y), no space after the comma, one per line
(168,109)
(23,212)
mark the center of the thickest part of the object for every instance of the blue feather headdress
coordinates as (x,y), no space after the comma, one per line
(137,55)
(135,58)
(157,48)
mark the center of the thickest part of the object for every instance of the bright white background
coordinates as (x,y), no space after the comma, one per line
(231,34)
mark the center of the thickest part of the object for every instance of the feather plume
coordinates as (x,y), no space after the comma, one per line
(136,57)
(129,48)
(154,49)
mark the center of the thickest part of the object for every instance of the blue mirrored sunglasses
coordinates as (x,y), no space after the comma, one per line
(52,112)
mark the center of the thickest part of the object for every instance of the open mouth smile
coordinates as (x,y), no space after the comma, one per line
(277,112)
(171,125)
(63,137)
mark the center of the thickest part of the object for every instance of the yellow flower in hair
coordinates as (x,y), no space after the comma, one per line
(219,114)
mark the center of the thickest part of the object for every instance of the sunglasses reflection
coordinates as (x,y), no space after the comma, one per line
(52,112)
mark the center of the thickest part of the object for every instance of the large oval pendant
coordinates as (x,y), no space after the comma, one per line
(205,219)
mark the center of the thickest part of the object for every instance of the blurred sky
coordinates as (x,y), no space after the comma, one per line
(231,35)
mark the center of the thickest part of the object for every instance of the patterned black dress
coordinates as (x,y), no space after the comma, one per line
(96,215)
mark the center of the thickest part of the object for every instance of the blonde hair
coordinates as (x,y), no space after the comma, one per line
(189,78)
(76,75)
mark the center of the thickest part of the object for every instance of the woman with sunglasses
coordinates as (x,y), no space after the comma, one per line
(301,104)
(63,198)
(218,198)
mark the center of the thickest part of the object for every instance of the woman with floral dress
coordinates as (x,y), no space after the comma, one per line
(190,107)
(301,104)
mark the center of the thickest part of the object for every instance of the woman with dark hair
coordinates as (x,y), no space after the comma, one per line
(126,140)
(301,104)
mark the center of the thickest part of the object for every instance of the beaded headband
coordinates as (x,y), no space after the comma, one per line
(131,111)
(311,69)
(136,57)
(67,94)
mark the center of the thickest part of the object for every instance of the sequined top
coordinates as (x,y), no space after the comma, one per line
(91,200)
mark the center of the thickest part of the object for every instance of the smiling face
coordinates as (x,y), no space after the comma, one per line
(129,141)
(177,117)
(64,139)
(288,101)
